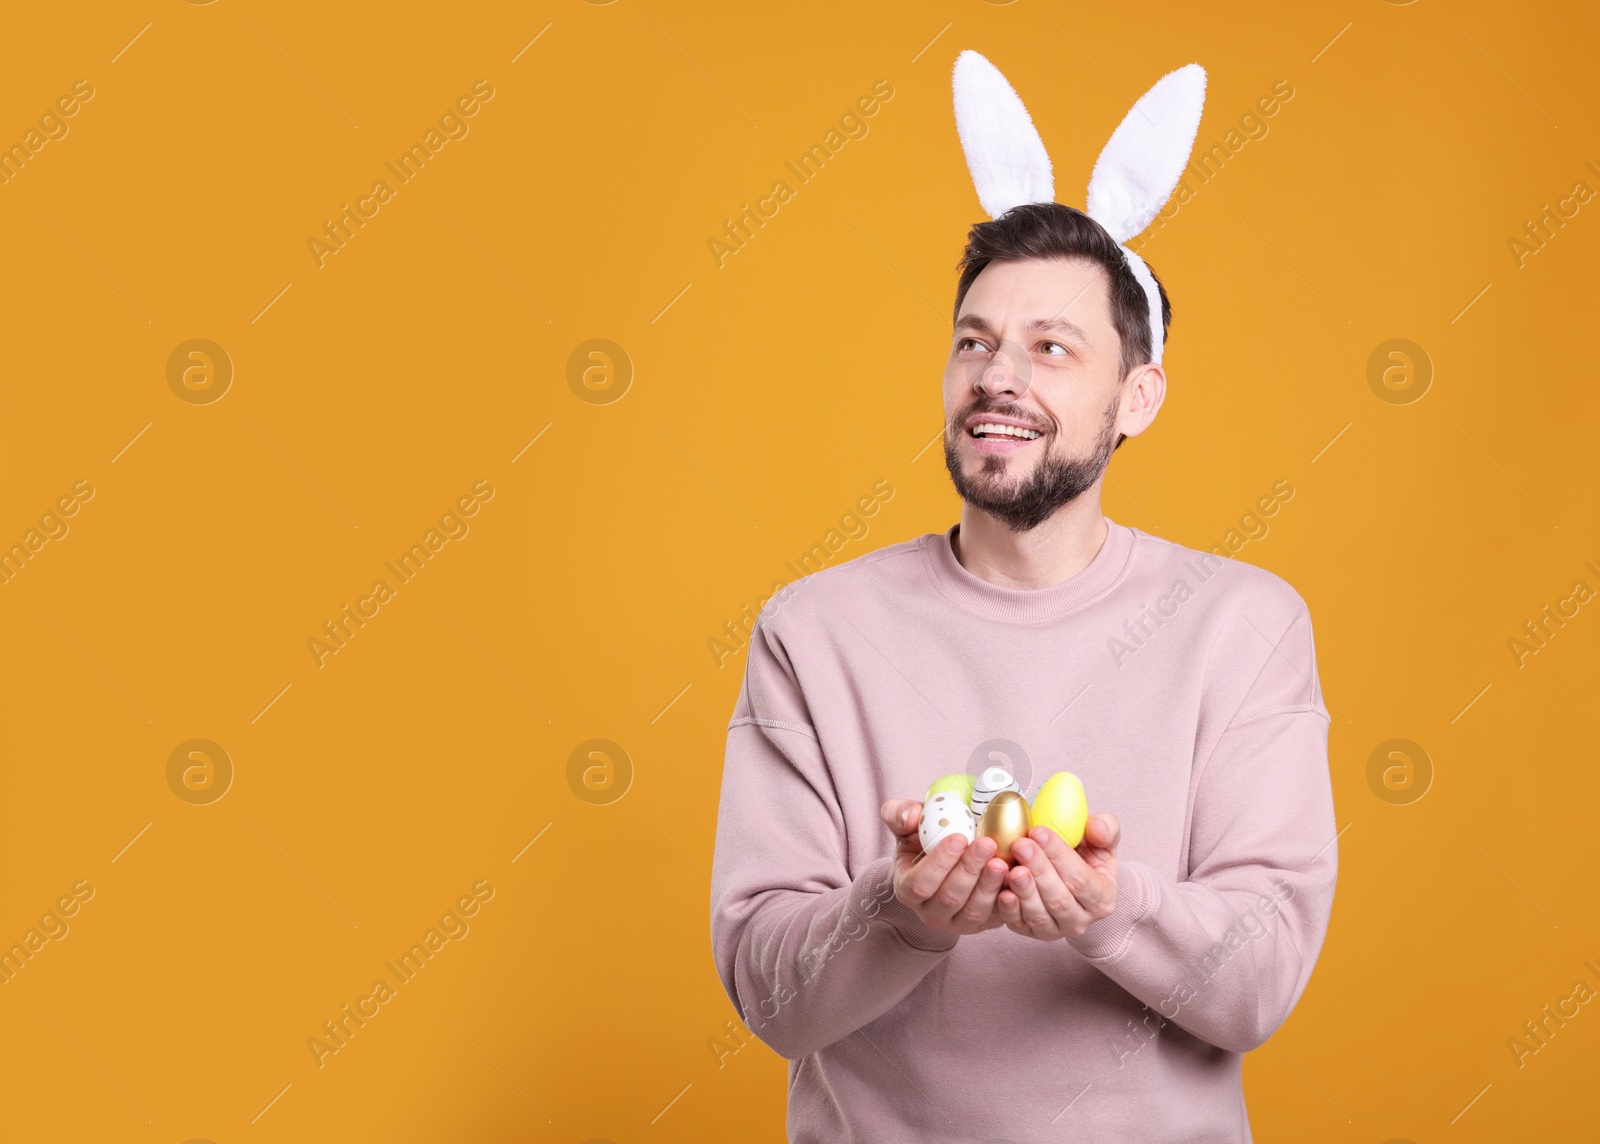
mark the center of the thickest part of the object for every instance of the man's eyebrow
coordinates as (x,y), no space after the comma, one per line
(1038,325)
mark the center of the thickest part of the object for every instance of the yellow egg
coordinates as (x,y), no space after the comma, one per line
(1062,806)
(1006,820)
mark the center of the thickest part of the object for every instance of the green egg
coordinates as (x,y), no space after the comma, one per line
(960,784)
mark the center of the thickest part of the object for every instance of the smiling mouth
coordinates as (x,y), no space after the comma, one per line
(992,431)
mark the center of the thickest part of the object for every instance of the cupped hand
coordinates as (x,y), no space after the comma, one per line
(955,888)
(1059,891)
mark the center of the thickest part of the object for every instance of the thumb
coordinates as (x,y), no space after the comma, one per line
(901,815)
(1102,831)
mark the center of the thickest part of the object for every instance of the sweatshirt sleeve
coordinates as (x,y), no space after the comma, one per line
(807,953)
(1227,952)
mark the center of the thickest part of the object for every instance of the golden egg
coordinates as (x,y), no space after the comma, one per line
(1006,820)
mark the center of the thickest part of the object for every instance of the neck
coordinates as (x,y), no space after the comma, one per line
(1056,550)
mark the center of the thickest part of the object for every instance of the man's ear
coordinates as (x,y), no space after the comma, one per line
(1142,394)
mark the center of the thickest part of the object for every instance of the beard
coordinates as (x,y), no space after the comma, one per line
(1054,482)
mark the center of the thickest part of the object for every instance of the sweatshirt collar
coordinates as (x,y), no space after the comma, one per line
(974,594)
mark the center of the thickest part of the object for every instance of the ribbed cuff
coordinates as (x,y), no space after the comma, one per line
(1137,896)
(877,883)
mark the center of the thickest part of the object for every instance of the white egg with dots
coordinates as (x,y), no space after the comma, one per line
(943,815)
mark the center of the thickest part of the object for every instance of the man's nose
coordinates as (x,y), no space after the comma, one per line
(1007,372)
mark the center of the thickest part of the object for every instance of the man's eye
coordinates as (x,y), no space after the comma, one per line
(1058,346)
(964,343)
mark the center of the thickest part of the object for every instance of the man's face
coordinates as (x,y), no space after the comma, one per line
(1033,347)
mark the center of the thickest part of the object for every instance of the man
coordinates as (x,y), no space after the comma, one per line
(1106,992)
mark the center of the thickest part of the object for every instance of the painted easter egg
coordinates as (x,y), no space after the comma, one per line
(961,784)
(1062,806)
(1006,820)
(943,815)
(990,783)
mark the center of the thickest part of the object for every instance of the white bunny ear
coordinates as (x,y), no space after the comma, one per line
(1007,158)
(1140,167)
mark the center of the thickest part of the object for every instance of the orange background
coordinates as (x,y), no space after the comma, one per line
(767,395)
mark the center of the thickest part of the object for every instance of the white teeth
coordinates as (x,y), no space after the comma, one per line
(1009,430)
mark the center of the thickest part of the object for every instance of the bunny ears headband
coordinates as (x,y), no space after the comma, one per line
(1132,180)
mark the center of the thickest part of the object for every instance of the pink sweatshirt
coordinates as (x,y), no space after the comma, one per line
(1181,688)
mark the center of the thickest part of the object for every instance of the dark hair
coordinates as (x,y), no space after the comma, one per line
(1055,230)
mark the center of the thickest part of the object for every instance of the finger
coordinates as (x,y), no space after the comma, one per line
(979,908)
(902,816)
(1036,919)
(908,846)
(1088,885)
(951,897)
(909,843)
(907,853)
(1076,875)
(1043,854)
(1102,831)
(994,922)
(928,873)
(1008,908)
